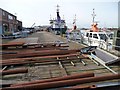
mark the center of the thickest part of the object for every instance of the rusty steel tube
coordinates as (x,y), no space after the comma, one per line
(43,53)
(35,61)
(74,76)
(29,60)
(14,71)
(79,87)
(83,86)
(12,44)
(56,84)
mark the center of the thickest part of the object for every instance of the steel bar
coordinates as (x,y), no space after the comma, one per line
(79,87)
(63,83)
(14,71)
(74,76)
(20,60)
(84,86)
(41,48)
(8,53)
(43,53)
(44,57)
(33,61)
(12,44)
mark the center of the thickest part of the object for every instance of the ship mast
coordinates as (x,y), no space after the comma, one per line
(58,8)
(93,15)
(75,20)
(74,23)
(50,17)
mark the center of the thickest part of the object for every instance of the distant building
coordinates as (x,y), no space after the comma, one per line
(9,22)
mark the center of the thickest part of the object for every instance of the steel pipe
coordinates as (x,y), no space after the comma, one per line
(36,59)
(11,44)
(74,76)
(56,84)
(14,71)
(79,87)
(43,53)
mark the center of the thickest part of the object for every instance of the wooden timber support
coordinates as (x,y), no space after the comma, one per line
(4,68)
(82,61)
(62,68)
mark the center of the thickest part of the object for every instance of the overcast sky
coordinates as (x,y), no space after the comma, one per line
(39,11)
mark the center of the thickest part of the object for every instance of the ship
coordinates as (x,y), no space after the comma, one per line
(96,37)
(58,25)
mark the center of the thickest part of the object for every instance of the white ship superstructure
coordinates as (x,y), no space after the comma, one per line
(58,25)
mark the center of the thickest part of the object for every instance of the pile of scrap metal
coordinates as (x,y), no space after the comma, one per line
(70,82)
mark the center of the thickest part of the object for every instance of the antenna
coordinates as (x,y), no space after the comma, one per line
(63,17)
(50,17)
(57,8)
(93,15)
(74,20)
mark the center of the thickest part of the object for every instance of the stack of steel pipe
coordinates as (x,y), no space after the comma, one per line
(20,61)
(14,71)
(40,53)
(63,83)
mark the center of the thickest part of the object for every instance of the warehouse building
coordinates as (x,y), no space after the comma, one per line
(9,23)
